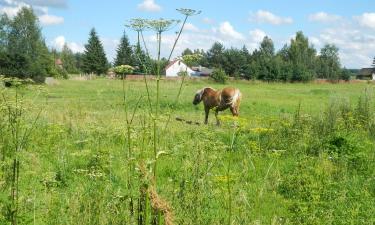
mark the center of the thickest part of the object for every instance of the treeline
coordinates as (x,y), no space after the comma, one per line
(24,54)
(297,61)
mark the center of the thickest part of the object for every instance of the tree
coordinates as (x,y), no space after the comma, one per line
(329,63)
(345,74)
(187,51)
(25,41)
(266,47)
(234,62)
(219,75)
(268,67)
(68,59)
(263,63)
(124,52)
(215,56)
(303,58)
(78,58)
(94,59)
(373,63)
(192,59)
(4,31)
(142,62)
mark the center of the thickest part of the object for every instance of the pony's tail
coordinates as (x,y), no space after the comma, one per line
(236,98)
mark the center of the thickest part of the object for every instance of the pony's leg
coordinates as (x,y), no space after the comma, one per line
(217,118)
(234,111)
(207,111)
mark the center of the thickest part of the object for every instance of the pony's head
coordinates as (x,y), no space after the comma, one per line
(198,97)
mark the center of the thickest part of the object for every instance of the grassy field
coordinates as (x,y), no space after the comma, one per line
(298,154)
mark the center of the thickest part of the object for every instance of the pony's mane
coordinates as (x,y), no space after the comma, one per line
(201,91)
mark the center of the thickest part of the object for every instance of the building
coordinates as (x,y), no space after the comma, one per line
(202,71)
(176,66)
(366,74)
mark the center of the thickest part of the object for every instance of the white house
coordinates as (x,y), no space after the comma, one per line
(176,66)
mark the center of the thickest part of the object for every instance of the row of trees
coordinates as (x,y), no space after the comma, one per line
(297,61)
(23,53)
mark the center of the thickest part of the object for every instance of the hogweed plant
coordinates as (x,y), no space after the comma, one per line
(17,130)
(159,26)
(187,13)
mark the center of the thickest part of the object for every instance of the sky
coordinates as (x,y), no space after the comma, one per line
(348,24)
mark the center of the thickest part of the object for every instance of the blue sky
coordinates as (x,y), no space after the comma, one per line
(348,24)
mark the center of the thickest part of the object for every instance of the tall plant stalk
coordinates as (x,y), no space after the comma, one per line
(18,138)
(187,13)
(159,26)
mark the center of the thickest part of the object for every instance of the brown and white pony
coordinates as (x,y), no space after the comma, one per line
(219,99)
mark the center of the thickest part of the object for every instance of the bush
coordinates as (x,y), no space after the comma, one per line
(219,76)
(345,74)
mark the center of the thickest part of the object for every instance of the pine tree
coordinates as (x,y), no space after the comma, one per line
(124,52)
(94,59)
(373,63)
(215,55)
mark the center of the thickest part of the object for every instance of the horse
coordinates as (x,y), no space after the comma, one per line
(228,97)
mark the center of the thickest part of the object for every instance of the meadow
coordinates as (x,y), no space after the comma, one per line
(87,152)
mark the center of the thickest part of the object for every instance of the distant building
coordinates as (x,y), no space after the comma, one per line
(176,66)
(366,74)
(202,71)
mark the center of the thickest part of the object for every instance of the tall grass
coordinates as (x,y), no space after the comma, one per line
(93,164)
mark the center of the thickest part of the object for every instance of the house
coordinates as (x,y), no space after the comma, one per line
(176,66)
(366,74)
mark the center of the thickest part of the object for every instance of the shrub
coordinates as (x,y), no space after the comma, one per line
(219,76)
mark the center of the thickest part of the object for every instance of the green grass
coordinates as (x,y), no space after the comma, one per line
(288,160)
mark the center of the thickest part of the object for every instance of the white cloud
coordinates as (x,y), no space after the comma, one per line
(257,35)
(50,19)
(356,47)
(12,7)
(315,41)
(366,20)
(149,6)
(59,42)
(190,27)
(76,47)
(324,17)
(10,11)
(48,3)
(262,16)
(227,31)
(207,20)
(110,45)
